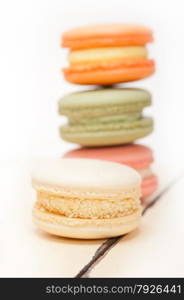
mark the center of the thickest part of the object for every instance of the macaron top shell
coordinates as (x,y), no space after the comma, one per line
(133,155)
(134,98)
(84,175)
(102,35)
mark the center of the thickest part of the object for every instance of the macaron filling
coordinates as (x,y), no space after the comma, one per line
(125,117)
(89,208)
(106,55)
(111,126)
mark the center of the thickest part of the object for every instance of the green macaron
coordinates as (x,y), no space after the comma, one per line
(105,117)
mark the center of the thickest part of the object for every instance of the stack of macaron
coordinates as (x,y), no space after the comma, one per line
(94,191)
(105,120)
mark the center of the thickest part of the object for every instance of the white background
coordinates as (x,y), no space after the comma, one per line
(31,81)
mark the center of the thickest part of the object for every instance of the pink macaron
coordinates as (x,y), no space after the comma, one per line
(136,156)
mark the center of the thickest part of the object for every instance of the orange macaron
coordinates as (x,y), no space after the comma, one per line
(107,54)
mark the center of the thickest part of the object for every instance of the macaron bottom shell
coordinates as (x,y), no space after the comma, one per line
(84,228)
(106,138)
(110,74)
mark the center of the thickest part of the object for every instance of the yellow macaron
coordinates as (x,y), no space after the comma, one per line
(88,199)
